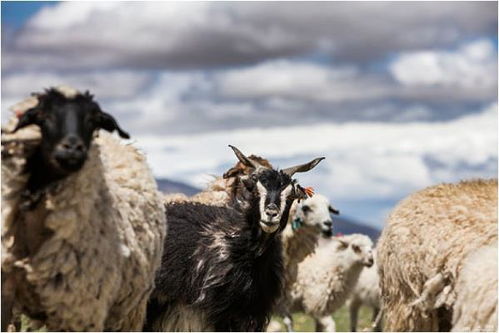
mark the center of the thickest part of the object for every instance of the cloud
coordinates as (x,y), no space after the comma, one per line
(364,161)
(209,34)
(468,68)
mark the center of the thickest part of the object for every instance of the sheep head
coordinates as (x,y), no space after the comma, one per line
(67,123)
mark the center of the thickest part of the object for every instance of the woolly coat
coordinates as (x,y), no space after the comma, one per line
(476,288)
(367,290)
(422,249)
(325,279)
(89,262)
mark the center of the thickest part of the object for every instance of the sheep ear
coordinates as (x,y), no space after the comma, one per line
(334,210)
(302,167)
(343,244)
(29,117)
(108,123)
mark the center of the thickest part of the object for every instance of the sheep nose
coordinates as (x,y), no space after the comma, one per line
(328,223)
(272,210)
(72,144)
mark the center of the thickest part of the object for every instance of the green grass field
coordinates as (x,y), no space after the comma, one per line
(303,323)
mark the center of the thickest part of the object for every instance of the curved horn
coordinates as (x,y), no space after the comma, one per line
(302,167)
(244,160)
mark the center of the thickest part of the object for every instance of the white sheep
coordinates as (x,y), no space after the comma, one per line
(475,308)
(326,278)
(308,220)
(367,293)
(423,247)
(82,253)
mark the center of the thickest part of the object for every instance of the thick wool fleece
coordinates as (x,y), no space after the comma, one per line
(104,228)
(476,288)
(326,279)
(422,248)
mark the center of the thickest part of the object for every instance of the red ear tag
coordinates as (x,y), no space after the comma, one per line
(309,191)
(18,113)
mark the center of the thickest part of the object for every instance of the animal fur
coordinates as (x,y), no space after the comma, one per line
(85,257)
(423,247)
(475,308)
(326,278)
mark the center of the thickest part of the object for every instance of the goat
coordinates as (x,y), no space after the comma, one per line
(222,267)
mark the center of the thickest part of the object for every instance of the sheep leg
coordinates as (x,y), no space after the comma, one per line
(288,321)
(354,311)
(377,315)
(431,289)
(325,324)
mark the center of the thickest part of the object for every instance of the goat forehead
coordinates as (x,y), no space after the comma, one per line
(273,180)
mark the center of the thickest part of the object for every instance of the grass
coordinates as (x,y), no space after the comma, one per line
(304,323)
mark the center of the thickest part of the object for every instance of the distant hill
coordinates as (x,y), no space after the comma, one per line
(347,226)
(341,224)
(170,186)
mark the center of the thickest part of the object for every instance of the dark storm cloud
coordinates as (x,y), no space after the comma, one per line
(204,35)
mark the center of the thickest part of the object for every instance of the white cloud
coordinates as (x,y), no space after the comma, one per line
(364,161)
(469,67)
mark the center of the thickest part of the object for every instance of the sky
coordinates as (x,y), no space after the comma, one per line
(396,95)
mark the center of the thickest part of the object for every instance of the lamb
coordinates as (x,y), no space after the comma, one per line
(366,292)
(82,220)
(423,248)
(475,308)
(326,278)
(222,267)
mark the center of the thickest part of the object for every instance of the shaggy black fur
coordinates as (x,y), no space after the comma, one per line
(220,262)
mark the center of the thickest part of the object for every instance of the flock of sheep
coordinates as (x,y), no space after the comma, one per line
(90,244)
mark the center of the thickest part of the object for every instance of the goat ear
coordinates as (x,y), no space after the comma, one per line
(334,210)
(302,167)
(243,159)
(29,117)
(108,123)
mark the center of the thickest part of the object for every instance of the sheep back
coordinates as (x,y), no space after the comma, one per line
(425,240)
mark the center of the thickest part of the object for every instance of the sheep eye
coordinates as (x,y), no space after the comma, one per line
(356,249)
(306,209)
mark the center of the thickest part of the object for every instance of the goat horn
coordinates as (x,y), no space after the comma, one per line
(302,167)
(245,160)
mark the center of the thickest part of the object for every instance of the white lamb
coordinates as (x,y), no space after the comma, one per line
(326,278)
(367,293)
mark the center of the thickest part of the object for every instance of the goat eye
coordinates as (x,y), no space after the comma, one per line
(356,249)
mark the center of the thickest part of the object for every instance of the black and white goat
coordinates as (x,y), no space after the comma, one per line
(222,267)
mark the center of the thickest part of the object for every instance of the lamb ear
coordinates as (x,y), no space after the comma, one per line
(302,167)
(29,117)
(108,123)
(334,210)
(343,244)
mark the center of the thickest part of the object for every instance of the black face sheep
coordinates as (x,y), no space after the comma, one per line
(82,220)
(222,266)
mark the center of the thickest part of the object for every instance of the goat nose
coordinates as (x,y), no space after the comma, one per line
(328,223)
(272,210)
